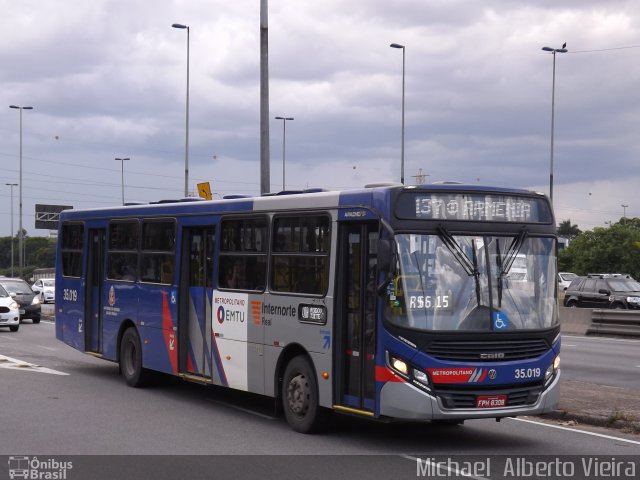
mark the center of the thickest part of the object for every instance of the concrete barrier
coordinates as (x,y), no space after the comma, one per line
(615,322)
(589,321)
(575,321)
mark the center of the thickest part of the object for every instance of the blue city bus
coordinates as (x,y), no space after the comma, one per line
(390,302)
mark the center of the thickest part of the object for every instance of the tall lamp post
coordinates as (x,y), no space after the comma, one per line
(11,185)
(186,143)
(624,213)
(284,138)
(122,160)
(20,239)
(397,45)
(553,101)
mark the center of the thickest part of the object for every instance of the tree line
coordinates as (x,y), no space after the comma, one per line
(39,252)
(612,249)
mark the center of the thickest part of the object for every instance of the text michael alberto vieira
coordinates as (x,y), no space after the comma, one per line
(519,467)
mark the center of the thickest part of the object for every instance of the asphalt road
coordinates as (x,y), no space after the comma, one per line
(74,404)
(604,361)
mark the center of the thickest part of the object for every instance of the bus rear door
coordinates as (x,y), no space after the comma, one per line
(194,325)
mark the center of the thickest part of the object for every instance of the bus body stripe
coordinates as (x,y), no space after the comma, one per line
(218,361)
(383,374)
(169,335)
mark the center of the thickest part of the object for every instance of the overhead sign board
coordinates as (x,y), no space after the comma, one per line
(48,216)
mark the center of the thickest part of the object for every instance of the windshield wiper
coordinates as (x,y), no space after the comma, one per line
(469,266)
(513,251)
(510,258)
(457,252)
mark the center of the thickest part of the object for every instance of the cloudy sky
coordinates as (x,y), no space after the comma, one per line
(107,78)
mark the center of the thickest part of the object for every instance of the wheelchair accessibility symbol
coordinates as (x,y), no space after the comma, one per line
(500,321)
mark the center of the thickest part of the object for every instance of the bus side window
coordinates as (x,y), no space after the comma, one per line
(243,254)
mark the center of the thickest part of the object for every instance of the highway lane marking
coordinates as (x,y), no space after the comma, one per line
(15,364)
(241,409)
(51,349)
(559,427)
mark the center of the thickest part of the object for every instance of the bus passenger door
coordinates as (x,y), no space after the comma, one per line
(194,324)
(357,315)
(93,298)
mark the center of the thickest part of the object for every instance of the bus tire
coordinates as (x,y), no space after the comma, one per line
(131,359)
(300,400)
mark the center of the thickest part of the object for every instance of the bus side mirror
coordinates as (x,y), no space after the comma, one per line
(384,255)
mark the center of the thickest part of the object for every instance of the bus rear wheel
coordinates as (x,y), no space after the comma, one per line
(131,359)
(300,397)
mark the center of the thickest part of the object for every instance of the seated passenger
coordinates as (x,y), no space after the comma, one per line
(236,275)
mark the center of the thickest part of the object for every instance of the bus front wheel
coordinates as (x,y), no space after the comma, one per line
(300,397)
(131,359)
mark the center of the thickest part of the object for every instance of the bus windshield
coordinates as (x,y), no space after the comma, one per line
(473,283)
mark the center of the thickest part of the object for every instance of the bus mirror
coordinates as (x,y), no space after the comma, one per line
(384,255)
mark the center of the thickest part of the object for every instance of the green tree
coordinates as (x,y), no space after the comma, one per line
(605,250)
(568,230)
(40,252)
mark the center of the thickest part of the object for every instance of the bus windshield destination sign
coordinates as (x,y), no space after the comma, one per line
(472,207)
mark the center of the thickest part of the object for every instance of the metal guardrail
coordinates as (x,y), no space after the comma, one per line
(615,322)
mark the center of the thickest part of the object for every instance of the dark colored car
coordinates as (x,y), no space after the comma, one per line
(26,298)
(603,291)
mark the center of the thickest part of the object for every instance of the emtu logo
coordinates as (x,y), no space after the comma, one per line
(220,314)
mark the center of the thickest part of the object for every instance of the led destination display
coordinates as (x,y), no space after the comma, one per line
(482,207)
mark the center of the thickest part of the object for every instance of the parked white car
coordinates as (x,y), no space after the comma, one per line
(46,289)
(9,311)
(565,279)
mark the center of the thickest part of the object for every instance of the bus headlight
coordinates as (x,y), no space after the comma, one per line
(411,373)
(551,370)
(399,365)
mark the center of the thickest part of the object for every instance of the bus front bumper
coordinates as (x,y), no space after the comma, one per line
(403,400)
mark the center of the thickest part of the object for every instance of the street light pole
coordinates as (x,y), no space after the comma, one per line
(122,160)
(284,138)
(186,143)
(11,185)
(553,101)
(397,45)
(20,235)
(624,214)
